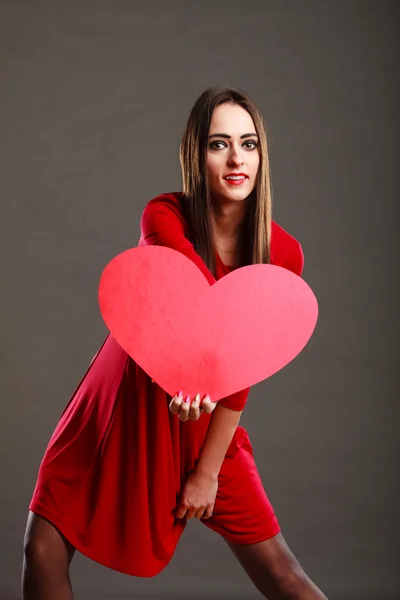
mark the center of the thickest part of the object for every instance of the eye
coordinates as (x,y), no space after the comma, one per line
(214,145)
(251,144)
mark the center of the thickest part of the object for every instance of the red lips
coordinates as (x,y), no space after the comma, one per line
(236,175)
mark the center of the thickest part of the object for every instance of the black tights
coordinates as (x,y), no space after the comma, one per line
(47,556)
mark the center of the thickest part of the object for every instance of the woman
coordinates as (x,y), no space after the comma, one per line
(127,465)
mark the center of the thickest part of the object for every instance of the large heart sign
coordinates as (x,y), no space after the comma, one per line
(216,339)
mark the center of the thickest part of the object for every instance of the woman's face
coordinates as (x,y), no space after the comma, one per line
(232,153)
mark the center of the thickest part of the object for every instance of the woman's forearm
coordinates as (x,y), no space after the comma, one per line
(219,435)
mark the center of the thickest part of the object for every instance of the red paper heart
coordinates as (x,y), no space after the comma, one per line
(216,339)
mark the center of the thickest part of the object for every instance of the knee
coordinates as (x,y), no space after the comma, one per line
(37,554)
(45,549)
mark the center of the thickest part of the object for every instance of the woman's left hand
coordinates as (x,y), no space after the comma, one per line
(198,496)
(187,409)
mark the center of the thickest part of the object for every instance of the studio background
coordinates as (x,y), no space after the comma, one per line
(94,99)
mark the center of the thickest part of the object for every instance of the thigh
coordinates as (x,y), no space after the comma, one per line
(275,571)
(44,544)
(271,556)
(271,566)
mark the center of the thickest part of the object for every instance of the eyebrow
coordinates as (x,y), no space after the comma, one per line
(228,137)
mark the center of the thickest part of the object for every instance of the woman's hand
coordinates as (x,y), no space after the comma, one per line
(187,410)
(198,496)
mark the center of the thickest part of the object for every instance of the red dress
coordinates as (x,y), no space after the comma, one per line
(112,473)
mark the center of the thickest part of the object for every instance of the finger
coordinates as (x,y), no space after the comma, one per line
(181,512)
(199,514)
(194,412)
(184,409)
(176,402)
(207,405)
(190,513)
(208,513)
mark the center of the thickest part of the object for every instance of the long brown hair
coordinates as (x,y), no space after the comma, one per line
(197,205)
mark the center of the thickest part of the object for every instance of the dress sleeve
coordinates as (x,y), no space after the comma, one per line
(286,251)
(162,225)
(294,260)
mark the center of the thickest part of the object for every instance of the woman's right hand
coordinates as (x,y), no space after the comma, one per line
(185,409)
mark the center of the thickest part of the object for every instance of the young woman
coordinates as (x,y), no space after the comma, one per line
(127,465)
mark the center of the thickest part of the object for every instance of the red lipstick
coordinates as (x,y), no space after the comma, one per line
(235,178)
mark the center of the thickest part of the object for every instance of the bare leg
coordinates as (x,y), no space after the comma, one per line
(275,571)
(47,556)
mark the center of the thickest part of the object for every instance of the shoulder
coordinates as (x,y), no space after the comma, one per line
(162,220)
(164,212)
(286,251)
(169,202)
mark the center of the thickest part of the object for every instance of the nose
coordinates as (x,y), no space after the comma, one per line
(235,157)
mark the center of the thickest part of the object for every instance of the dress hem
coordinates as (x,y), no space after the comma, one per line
(54,519)
(68,533)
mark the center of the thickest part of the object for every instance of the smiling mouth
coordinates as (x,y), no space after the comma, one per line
(238,177)
(235,179)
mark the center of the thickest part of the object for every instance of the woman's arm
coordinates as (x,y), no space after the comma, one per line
(219,435)
(200,489)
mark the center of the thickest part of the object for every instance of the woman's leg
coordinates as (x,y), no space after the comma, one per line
(275,571)
(47,556)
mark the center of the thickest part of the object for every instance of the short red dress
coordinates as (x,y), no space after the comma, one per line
(113,470)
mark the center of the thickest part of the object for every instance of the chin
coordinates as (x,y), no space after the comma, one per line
(231,194)
(237,195)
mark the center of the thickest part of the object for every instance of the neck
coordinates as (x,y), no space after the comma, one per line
(228,218)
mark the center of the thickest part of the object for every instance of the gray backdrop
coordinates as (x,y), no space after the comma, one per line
(94,99)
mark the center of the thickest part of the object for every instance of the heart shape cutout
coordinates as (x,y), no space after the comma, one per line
(216,339)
